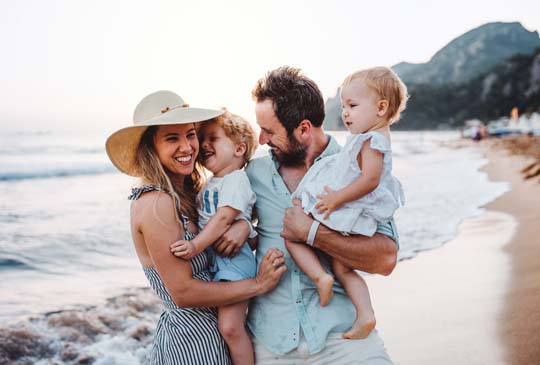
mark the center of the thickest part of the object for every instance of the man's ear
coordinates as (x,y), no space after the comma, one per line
(240,149)
(304,130)
(382,107)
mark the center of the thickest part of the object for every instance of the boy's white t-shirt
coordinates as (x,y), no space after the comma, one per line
(233,190)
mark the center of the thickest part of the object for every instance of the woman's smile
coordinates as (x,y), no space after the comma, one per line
(184,160)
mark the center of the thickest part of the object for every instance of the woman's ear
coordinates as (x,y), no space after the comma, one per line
(382,107)
(240,149)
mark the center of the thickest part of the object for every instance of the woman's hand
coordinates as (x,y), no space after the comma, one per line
(230,243)
(184,249)
(270,270)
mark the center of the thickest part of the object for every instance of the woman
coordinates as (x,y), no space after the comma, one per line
(162,148)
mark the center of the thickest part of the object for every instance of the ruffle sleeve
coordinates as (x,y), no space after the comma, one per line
(354,144)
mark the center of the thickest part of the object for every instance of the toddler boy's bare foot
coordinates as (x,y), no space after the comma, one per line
(361,328)
(324,285)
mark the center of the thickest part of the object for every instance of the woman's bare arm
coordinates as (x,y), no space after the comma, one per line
(159,228)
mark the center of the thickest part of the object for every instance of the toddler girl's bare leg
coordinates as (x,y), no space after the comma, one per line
(231,323)
(356,288)
(308,261)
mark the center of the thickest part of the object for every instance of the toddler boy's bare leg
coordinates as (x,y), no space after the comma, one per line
(308,261)
(357,290)
(231,323)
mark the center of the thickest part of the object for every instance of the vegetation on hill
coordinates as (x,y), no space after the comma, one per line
(482,74)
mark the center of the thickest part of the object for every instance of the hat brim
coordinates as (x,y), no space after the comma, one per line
(121,146)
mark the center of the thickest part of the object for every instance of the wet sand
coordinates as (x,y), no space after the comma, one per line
(476,300)
(519,325)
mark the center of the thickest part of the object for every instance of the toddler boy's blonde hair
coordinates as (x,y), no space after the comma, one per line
(239,130)
(387,85)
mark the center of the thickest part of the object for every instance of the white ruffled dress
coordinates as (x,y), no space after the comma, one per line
(339,170)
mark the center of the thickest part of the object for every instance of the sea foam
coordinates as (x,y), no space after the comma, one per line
(117,332)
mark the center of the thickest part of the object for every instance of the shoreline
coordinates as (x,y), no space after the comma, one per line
(475,299)
(520,317)
(454,303)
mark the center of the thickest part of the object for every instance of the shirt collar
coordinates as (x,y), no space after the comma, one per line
(332,148)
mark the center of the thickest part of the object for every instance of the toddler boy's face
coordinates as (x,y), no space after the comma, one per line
(217,150)
(359,107)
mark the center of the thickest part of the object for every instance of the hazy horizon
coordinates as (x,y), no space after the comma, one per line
(86,65)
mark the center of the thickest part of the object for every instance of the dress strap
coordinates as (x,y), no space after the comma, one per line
(138,191)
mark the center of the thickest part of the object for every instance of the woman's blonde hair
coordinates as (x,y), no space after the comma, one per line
(238,130)
(387,85)
(152,172)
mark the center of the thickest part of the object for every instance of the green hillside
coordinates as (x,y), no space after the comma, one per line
(482,74)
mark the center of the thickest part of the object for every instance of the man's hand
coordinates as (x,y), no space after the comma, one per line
(184,249)
(296,223)
(328,202)
(230,243)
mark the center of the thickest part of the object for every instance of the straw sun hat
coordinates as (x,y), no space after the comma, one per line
(159,108)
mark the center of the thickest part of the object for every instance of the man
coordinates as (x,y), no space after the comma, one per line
(288,323)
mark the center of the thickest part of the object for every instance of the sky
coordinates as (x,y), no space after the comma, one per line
(86,64)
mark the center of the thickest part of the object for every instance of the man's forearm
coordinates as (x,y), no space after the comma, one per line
(376,255)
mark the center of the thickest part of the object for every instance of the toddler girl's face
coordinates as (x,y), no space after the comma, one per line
(359,107)
(217,150)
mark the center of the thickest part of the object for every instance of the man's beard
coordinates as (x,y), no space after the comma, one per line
(295,154)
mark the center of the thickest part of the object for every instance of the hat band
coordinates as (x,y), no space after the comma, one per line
(168,109)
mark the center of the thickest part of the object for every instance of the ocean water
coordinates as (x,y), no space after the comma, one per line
(71,287)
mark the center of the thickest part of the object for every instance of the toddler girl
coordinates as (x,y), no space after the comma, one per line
(227,144)
(353,190)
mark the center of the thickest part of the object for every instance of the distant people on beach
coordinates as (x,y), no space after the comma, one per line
(227,144)
(161,148)
(289,324)
(351,191)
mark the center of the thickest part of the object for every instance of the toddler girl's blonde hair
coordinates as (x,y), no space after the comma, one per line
(238,130)
(387,85)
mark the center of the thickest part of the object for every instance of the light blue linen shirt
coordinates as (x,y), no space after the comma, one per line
(276,318)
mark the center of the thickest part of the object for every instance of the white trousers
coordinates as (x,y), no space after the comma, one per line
(368,351)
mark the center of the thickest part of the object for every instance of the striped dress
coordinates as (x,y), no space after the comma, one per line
(185,335)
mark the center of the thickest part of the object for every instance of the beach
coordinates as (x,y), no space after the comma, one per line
(73,290)
(476,299)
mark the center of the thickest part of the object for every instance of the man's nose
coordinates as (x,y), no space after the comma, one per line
(263,138)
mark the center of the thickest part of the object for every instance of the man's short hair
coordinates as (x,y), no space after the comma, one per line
(294,96)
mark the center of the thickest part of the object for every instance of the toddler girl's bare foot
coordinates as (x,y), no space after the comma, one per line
(324,284)
(361,328)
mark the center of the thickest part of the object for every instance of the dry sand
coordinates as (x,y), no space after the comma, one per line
(476,300)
